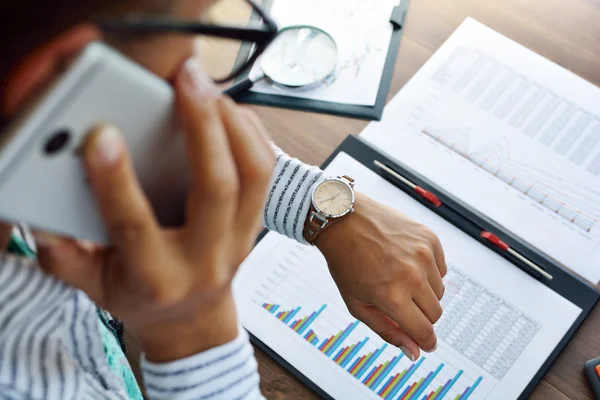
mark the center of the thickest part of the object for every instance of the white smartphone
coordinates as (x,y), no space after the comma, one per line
(42,182)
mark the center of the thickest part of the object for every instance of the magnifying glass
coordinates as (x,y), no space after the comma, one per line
(301,56)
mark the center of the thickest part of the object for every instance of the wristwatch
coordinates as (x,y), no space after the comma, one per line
(332,201)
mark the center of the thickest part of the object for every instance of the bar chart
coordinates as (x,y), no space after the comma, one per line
(376,369)
(488,337)
(483,336)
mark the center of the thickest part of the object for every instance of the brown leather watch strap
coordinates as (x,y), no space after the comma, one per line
(313,228)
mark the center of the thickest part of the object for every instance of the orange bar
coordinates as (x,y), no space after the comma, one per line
(342,354)
(300,322)
(357,364)
(327,343)
(384,391)
(374,374)
(412,388)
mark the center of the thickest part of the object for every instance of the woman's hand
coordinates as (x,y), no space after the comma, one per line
(172,287)
(389,271)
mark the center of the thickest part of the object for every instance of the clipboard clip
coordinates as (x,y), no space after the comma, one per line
(398,15)
(488,236)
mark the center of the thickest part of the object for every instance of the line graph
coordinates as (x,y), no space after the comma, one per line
(575,204)
(354,63)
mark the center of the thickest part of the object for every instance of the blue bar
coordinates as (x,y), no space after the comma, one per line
(311,319)
(426,382)
(371,361)
(353,353)
(343,337)
(367,377)
(470,392)
(315,341)
(386,383)
(322,345)
(339,352)
(292,315)
(354,363)
(307,334)
(275,309)
(385,372)
(403,393)
(405,378)
(443,392)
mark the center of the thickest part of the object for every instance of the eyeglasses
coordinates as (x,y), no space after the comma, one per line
(259,37)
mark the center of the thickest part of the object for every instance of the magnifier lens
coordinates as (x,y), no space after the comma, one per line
(300,56)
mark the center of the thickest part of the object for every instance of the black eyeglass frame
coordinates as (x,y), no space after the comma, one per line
(261,37)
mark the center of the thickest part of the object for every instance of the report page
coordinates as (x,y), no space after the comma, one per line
(498,327)
(509,133)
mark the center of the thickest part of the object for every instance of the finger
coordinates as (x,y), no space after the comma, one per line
(435,280)
(428,302)
(387,329)
(73,264)
(123,206)
(411,320)
(258,124)
(440,257)
(213,196)
(254,159)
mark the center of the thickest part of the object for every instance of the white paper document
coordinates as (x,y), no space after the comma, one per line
(511,134)
(499,324)
(362,31)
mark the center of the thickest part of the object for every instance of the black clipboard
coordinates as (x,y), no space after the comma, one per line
(565,283)
(325,107)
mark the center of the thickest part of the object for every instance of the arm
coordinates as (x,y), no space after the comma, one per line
(390,269)
(227,371)
(288,199)
(45,323)
(172,287)
(50,345)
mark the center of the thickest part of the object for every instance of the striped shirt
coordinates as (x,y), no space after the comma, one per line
(50,340)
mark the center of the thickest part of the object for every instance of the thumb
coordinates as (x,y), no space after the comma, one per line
(77,264)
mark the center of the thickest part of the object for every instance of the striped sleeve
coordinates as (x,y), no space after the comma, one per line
(289,196)
(224,372)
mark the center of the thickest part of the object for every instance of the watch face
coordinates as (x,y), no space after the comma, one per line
(333,197)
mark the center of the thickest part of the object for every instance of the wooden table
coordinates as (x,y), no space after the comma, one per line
(565,31)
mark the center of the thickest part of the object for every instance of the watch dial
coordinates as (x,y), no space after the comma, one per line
(333,197)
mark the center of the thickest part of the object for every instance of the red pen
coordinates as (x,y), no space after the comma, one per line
(490,237)
(427,195)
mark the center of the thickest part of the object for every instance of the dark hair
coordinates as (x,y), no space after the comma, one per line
(27,23)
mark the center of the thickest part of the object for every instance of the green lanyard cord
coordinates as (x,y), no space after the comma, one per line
(19,247)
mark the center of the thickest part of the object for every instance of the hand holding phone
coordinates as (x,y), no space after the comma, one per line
(173,286)
(42,182)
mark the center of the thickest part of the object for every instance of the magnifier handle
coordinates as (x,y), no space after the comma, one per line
(239,87)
